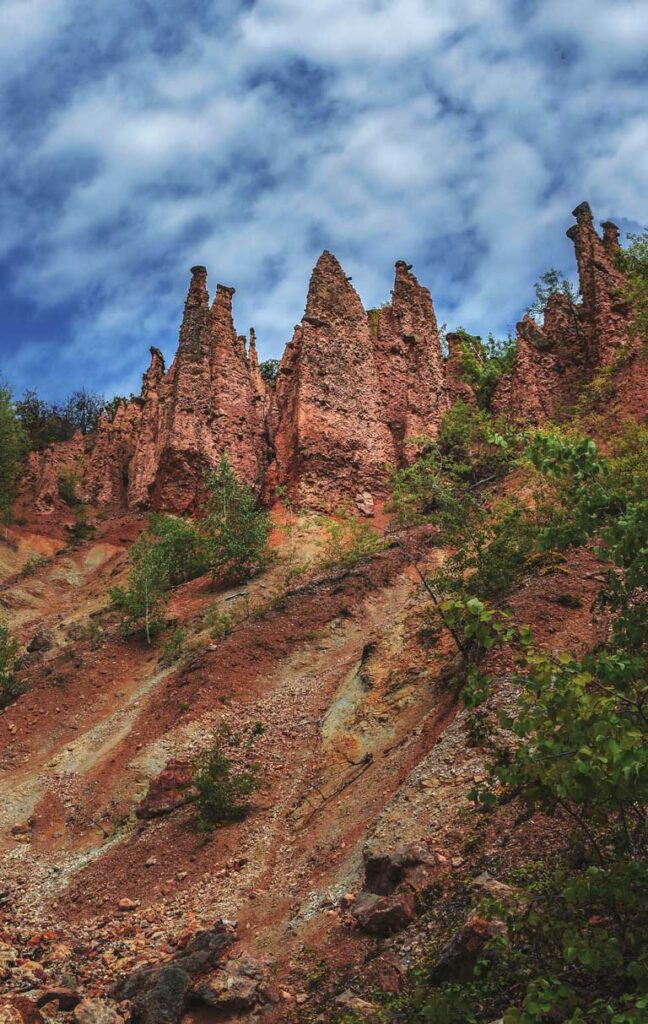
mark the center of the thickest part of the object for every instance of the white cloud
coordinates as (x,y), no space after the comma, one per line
(457,135)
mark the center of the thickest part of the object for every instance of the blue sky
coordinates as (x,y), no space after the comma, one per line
(138,137)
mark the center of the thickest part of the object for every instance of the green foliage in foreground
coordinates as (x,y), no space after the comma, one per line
(579,951)
(10,688)
(633,261)
(222,793)
(237,527)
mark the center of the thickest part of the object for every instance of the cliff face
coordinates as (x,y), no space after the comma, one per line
(575,340)
(352,390)
(411,374)
(156,450)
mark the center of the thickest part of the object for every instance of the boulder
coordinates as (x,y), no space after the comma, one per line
(384,915)
(158,994)
(19,1010)
(167,791)
(460,954)
(93,1011)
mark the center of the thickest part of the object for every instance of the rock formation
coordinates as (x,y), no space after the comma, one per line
(331,437)
(553,361)
(353,388)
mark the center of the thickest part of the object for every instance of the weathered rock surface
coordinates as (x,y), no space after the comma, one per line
(19,1010)
(331,438)
(554,360)
(158,994)
(352,390)
(167,791)
(387,903)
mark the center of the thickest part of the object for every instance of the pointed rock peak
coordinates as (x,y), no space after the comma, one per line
(610,236)
(198,287)
(330,292)
(583,213)
(196,311)
(252,352)
(157,360)
(221,312)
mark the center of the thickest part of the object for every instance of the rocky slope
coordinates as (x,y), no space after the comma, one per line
(362,842)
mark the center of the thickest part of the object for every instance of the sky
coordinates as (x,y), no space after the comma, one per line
(139,137)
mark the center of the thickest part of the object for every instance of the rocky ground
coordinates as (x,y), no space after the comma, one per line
(361,845)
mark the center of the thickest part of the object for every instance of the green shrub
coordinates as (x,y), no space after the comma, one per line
(68,480)
(222,793)
(33,564)
(173,648)
(237,528)
(633,262)
(10,687)
(474,447)
(483,363)
(181,547)
(347,541)
(552,282)
(13,448)
(269,370)
(142,601)
(81,529)
(219,622)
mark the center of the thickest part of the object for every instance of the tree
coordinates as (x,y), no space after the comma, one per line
(222,794)
(552,282)
(46,423)
(12,451)
(269,369)
(180,547)
(9,661)
(142,600)
(236,526)
(634,263)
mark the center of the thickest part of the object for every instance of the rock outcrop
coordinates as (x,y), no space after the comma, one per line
(352,390)
(553,361)
(331,439)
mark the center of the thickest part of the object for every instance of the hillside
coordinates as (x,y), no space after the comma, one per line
(422,505)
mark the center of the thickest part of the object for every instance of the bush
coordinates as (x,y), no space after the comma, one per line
(347,541)
(269,369)
(68,480)
(237,528)
(33,564)
(474,446)
(173,648)
(141,602)
(484,362)
(552,282)
(633,261)
(180,546)
(222,793)
(10,688)
(13,448)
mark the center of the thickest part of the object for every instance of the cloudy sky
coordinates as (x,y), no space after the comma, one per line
(138,137)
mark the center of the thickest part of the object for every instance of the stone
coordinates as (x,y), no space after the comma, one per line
(159,993)
(460,954)
(330,436)
(384,915)
(384,871)
(93,1011)
(167,791)
(355,1004)
(66,998)
(19,1010)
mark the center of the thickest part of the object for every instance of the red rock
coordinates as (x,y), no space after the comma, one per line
(331,437)
(167,791)
(384,915)
(409,362)
(19,1010)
